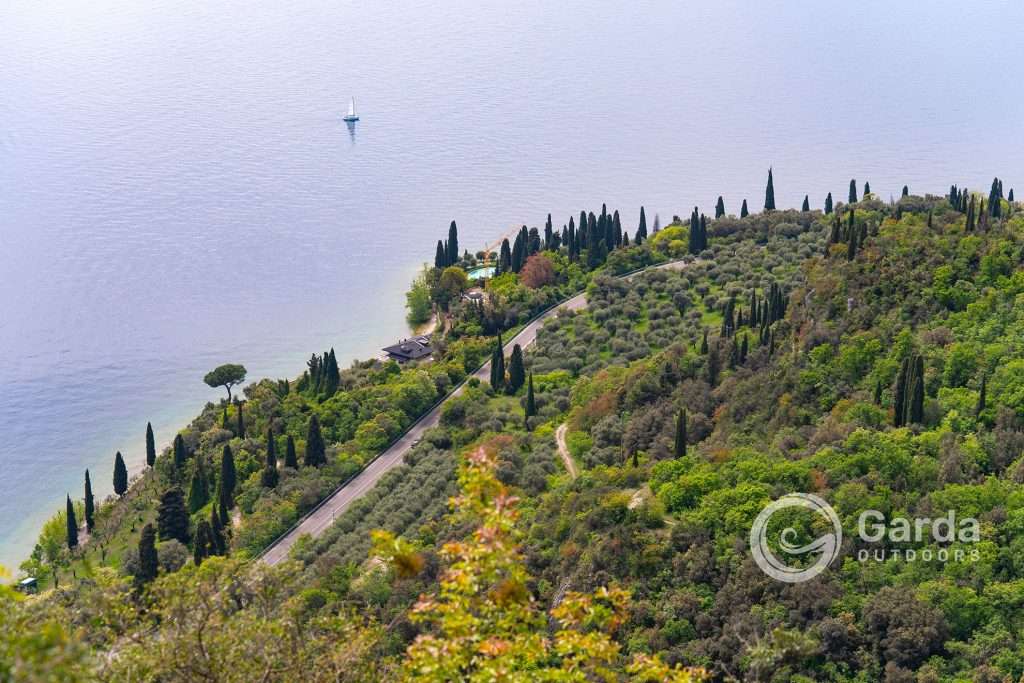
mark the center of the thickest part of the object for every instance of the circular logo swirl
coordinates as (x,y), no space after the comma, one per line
(827,545)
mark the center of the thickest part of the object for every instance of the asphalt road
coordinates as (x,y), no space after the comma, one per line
(317,521)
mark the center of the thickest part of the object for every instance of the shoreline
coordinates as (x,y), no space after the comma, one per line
(172,416)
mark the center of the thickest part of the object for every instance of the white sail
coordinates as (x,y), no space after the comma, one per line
(352,108)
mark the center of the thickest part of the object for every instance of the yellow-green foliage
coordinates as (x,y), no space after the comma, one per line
(671,240)
(484,624)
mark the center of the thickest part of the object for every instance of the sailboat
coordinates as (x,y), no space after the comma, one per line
(352,116)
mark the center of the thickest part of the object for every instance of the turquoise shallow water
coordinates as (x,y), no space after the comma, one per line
(177,188)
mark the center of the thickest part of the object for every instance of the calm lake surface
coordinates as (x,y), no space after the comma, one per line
(177,188)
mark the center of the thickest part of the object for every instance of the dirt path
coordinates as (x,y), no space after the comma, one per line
(563,450)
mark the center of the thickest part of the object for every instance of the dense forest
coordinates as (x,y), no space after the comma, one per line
(585,513)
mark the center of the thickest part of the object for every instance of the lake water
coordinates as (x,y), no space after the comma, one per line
(177,188)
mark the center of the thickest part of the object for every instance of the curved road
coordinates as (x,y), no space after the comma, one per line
(317,520)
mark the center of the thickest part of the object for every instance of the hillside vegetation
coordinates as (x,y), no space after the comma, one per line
(872,355)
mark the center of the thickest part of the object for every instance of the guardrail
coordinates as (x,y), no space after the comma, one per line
(434,406)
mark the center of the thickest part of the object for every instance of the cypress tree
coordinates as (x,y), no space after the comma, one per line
(867,188)
(744,348)
(680,442)
(549,236)
(172,517)
(836,235)
(743,210)
(617,229)
(72,524)
(636,459)
(505,257)
(150,446)
(728,319)
(917,400)
(720,207)
(90,504)
(853,191)
(148,560)
(269,477)
(518,253)
(180,453)
(223,507)
(440,257)
(807,203)
(899,400)
(516,370)
(224,415)
(595,252)
(453,244)
(530,409)
(218,540)
(120,475)
(769,193)
(533,243)
(199,488)
(227,476)
(641,230)
(240,431)
(697,242)
(271,448)
(982,391)
(906,191)
(201,545)
(828,204)
(316,373)
(316,450)
(970,216)
(290,457)
(704,343)
(878,393)
(714,365)
(851,246)
(331,375)
(1009,197)
(909,394)
(995,194)
(498,366)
